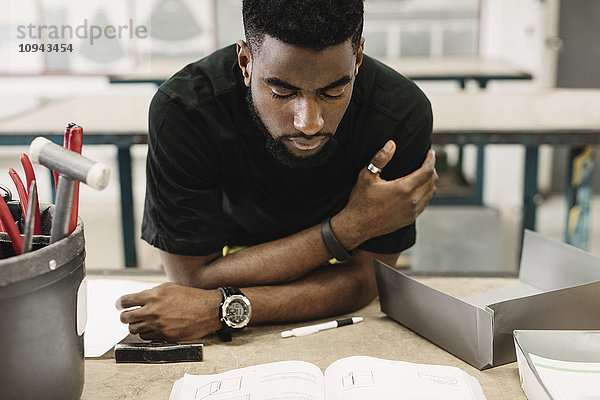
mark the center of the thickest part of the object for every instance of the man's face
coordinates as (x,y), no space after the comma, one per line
(299,96)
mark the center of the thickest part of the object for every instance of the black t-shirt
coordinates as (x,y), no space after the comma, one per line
(211,182)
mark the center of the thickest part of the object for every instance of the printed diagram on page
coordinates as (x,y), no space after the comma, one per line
(356,379)
(441,379)
(230,385)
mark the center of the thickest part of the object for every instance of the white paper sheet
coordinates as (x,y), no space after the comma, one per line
(104,329)
(293,380)
(567,380)
(361,377)
(349,378)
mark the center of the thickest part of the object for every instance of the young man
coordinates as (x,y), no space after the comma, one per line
(266,145)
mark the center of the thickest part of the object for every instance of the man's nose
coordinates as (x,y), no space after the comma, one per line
(308,118)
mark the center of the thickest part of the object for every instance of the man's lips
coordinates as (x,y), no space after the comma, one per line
(306,144)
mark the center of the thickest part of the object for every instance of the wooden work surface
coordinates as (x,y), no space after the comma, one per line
(377,336)
(563,111)
(109,114)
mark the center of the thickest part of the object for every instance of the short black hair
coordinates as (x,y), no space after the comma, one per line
(311,24)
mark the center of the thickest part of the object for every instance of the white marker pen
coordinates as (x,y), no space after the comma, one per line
(309,330)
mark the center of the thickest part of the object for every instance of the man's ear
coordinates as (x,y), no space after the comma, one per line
(244,60)
(359,55)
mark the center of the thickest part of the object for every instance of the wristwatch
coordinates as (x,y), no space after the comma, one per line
(234,312)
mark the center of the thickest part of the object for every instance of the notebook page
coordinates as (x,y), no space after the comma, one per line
(568,380)
(294,380)
(355,378)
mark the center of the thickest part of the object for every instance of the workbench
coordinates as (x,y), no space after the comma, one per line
(569,117)
(377,336)
(460,69)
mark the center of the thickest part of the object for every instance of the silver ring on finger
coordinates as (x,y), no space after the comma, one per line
(374,169)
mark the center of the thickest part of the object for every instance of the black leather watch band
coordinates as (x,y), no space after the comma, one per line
(333,245)
(230,291)
(225,332)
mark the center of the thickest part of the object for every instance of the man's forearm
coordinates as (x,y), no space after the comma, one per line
(331,290)
(282,260)
(179,313)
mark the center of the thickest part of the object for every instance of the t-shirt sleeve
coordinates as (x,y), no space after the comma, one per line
(183,212)
(412,144)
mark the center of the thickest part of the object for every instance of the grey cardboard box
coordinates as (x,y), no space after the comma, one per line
(558,288)
(573,346)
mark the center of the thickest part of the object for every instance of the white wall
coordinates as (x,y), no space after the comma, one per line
(512,30)
(516,31)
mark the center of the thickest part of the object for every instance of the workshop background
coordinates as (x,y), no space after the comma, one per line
(545,38)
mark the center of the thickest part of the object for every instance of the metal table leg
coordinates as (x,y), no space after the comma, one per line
(530,188)
(127,217)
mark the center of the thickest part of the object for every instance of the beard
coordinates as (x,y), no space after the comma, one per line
(276,147)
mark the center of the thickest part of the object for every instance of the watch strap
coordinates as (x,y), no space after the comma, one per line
(224,333)
(230,291)
(332,244)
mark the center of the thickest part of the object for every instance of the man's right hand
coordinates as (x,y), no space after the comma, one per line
(377,207)
(171,312)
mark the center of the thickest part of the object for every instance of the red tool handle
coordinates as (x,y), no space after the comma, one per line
(71,130)
(11,227)
(74,142)
(30,176)
(20,189)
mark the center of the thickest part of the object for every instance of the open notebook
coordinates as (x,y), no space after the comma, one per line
(357,377)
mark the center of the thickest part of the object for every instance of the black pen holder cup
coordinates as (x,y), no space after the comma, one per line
(42,315)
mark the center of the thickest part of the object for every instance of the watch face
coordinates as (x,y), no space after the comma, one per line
(236,311)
